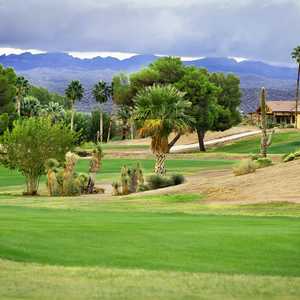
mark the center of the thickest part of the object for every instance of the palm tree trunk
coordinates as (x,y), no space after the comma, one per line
(72,118)
(297,97)
(18,105)
(201,134)
(101,126)
(160,168)
(109,130)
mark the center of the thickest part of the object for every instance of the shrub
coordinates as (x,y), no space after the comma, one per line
(245,167)
(82,152)
(177,179)
(143,188)
(263,162)
(158,181)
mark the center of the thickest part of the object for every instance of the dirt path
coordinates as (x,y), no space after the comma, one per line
(212,142)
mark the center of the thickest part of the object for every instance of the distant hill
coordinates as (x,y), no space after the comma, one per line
(55,70)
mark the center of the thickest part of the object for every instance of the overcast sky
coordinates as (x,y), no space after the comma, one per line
(257,29)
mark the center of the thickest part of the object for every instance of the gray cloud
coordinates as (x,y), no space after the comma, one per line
(260,29)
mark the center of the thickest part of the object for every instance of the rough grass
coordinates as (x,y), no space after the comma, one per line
(283,142)
(33,281)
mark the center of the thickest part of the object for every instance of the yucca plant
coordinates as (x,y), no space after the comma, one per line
(159,111)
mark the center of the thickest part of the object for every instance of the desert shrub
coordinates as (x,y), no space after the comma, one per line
(263,162)
(158,181)
(82,152)
(290,126)
(116,188)
(177,179)
(143,188)
(245,167)
(291,156)
(254,156)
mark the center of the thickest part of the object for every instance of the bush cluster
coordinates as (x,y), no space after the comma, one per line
(291,156)
(157,181)
(247,166)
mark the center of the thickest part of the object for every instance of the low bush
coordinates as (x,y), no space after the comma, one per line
(291,156)
(245,167)
(157,182)
(177,179)
(82,152)
(263,162)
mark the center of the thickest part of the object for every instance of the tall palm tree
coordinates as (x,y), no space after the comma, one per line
(22,89)
(159,111)
(296,58)
(102,93)
(74,92)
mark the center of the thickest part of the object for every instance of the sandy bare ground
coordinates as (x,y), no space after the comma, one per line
(276,183)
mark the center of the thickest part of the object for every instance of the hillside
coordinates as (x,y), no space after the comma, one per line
(55,70)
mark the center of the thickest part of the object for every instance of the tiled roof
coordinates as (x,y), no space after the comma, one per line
(282,105)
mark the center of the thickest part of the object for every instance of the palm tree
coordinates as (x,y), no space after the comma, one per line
(159,111)
(124,114)
(74,92)
(30,107)
(22,89)
(296,58)
(54,110)
(102,93)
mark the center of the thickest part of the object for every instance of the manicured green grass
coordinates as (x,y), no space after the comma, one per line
(283,142)
(151,241)
(111,168)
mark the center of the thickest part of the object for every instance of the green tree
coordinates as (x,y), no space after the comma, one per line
(229,100)
(159,111)
(102,93)
(203,95)
(45,97)
(22,89)
(296,58)
(7,89)
(74,92)
(30,144)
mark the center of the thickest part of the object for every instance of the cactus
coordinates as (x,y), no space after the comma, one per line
(266,138)
(124,180)
(116,188)
(51,166)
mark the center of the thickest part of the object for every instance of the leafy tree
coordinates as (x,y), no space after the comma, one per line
(22,89)
(7,89)
(170,69)
(296,58)
(4,122)
(229,99)
(102,93)
(122,94)
(203,95)
(74,92)
(160,110)
(45,97)
(30,144)
(30,107)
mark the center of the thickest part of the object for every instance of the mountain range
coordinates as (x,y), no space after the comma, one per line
(55,70)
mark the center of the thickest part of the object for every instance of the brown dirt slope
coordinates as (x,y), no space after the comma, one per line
(276,183)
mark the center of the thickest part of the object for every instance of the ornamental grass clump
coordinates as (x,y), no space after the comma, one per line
(244,167)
